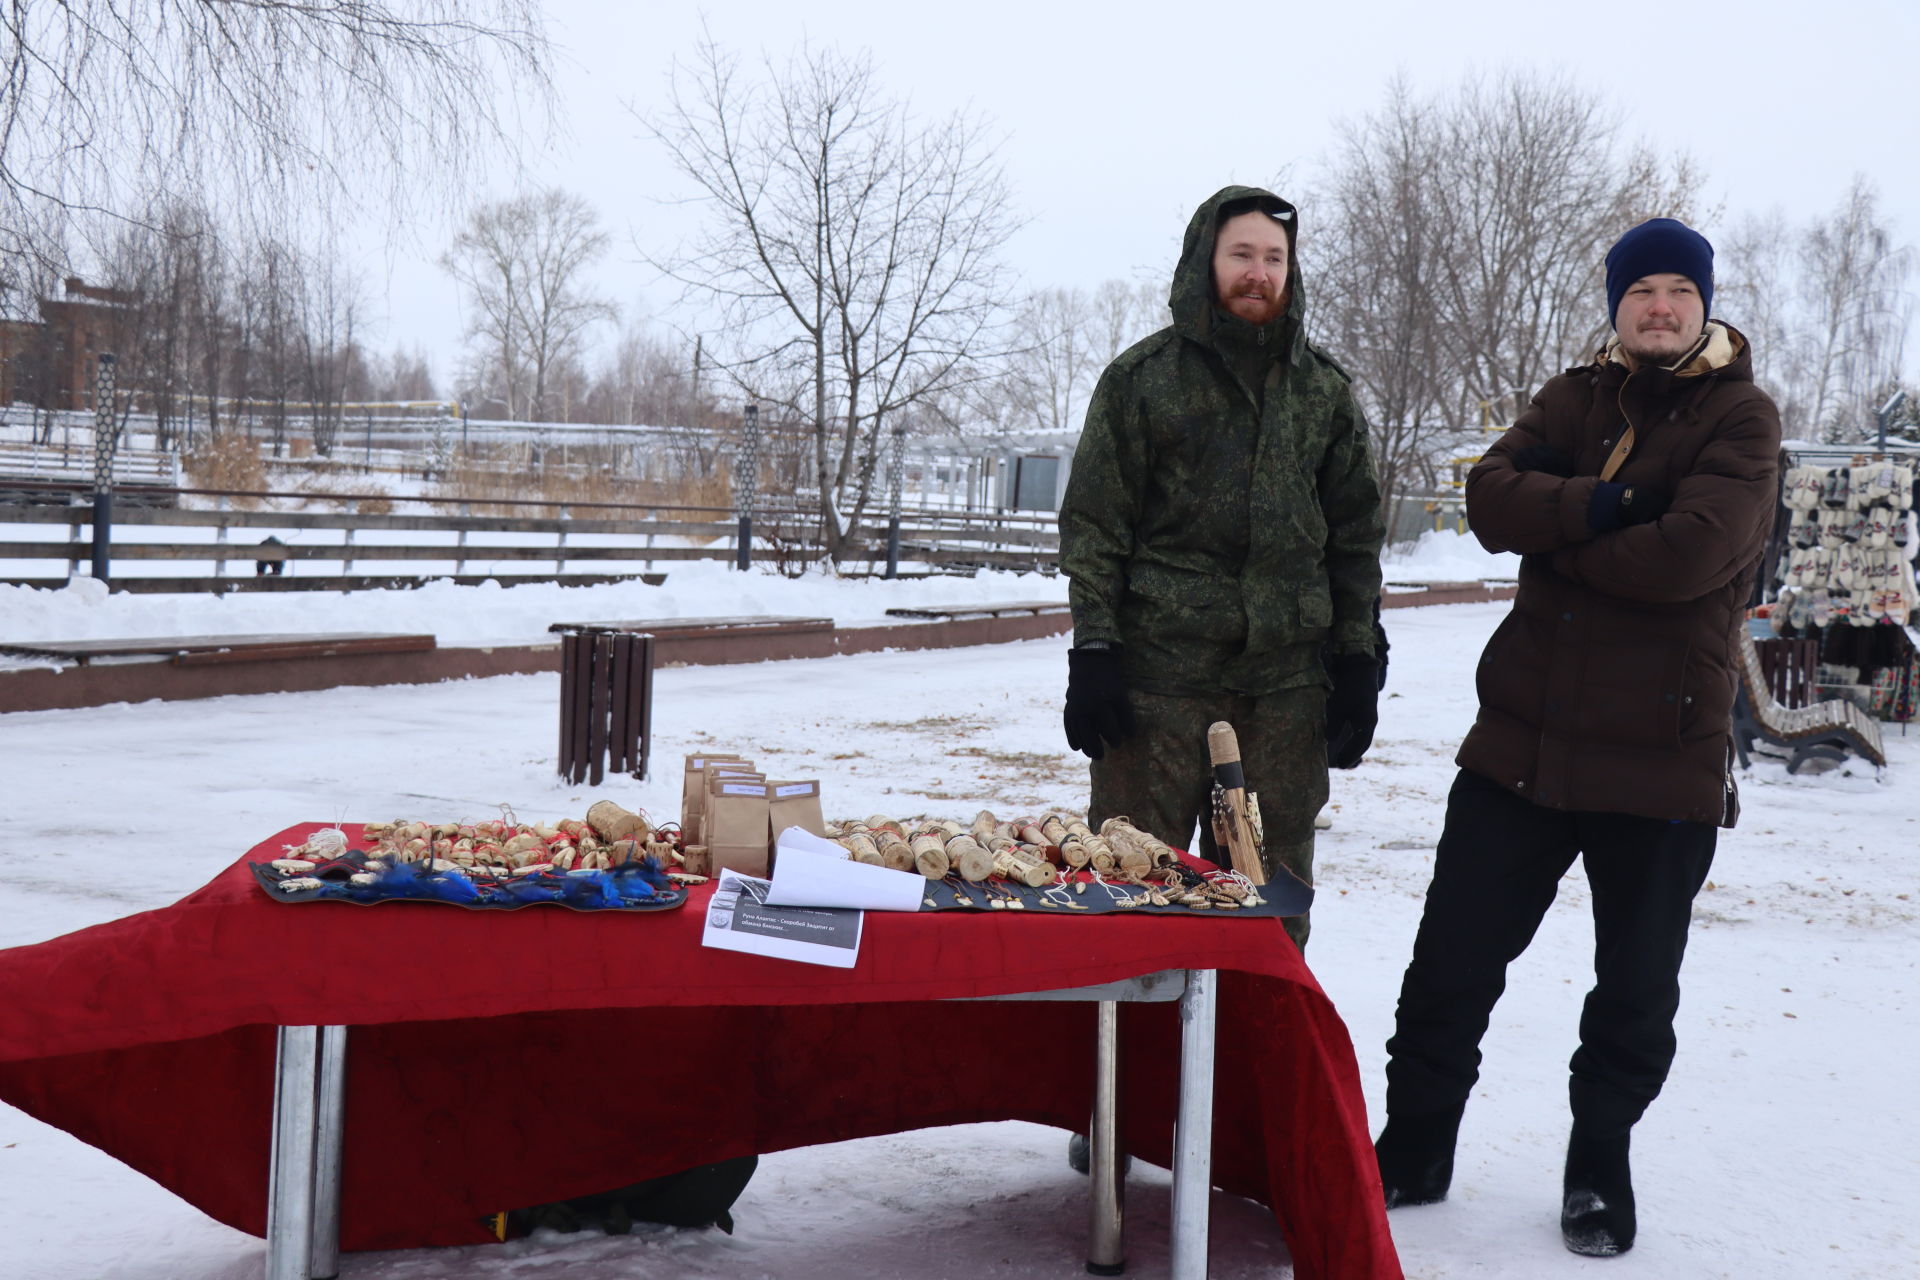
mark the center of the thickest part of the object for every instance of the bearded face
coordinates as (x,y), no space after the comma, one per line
(1250,259)
(1660,318)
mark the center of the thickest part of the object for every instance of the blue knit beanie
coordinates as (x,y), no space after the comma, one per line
(1657,245)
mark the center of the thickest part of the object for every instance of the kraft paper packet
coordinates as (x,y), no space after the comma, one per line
(794,804)
(720,771)
(693,792)
(737,834)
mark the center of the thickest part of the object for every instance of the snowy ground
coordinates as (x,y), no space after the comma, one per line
(1784,1146)
(493,614)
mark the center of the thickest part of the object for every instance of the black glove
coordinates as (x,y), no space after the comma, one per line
(1616,506)
(1098,714)
(1380,645)
(1544,458)
(1353,708)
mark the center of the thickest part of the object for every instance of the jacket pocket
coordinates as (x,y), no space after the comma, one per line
(1315,602)
(1706,697)
(1177,586)
(1509,679)
(1633,692)
(1168,607)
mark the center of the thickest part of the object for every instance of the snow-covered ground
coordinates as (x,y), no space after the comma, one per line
(493,614)
(1785,1145)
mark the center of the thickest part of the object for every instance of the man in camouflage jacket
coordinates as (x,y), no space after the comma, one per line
(1222,531)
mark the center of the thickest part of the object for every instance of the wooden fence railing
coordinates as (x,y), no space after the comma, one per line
(597,539)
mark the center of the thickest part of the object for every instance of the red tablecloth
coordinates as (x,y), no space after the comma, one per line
(512,1058)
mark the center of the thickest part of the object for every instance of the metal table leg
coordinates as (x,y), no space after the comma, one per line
(309,1126)
(330,1138)
(1105,1250)
(1106,1253)
(1193,1134)
(290,1182)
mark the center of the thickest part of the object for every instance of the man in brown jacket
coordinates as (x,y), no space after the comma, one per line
(1638,492)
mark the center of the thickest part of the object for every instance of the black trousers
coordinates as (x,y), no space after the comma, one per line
(1495,873)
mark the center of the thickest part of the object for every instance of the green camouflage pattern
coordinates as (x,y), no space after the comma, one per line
(1161,778)
(1222,520)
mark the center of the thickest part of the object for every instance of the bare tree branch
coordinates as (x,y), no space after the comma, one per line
(851,253)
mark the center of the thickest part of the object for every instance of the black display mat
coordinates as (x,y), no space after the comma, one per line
(1285,895)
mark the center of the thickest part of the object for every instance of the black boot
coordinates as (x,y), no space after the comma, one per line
(1080,1156)
(1416,1156)
(1596,1211)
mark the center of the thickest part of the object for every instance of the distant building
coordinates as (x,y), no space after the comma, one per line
(49,362)
(1022,471)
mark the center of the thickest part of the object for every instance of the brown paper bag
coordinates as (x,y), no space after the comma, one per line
(794,804)
(693,793)
(737,827)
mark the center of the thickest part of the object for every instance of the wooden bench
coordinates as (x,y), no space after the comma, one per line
(700,628)
(1823,731)
(186,651)
(947,613)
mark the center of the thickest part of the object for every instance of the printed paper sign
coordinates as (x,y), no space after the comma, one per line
(739,919)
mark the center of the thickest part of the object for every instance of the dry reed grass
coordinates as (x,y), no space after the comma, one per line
(475,482)
(227,461)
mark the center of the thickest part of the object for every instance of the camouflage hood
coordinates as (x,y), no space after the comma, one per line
(1196,313)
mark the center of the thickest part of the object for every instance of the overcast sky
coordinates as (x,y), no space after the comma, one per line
(1120,118)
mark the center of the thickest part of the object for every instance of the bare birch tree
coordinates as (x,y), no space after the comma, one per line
(1377,269)
(1051,373)
(1755,290)
(1060,340)
(1828,305)
(108,106)
(1458,261)
(1857,308)
(850,252)
(1537,191)
(524,265)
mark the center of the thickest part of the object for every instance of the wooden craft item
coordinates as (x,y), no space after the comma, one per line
(1231,828)
(862,847)
(1017,862)
(930,856)
(611,822)
(896,854)
(965,855)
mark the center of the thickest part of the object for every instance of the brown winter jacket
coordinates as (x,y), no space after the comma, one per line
(1610,686)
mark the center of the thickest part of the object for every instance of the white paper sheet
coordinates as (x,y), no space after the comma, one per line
(812,878)
(806,842)
(739,919)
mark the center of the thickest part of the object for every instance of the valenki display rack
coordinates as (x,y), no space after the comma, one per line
(1850,542)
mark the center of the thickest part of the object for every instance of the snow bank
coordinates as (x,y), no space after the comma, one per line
(1441,555)
(492,614)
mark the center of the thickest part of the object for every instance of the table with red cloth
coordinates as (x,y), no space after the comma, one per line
(477,1034)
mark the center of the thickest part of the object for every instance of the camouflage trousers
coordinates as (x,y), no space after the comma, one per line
(1162,780)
